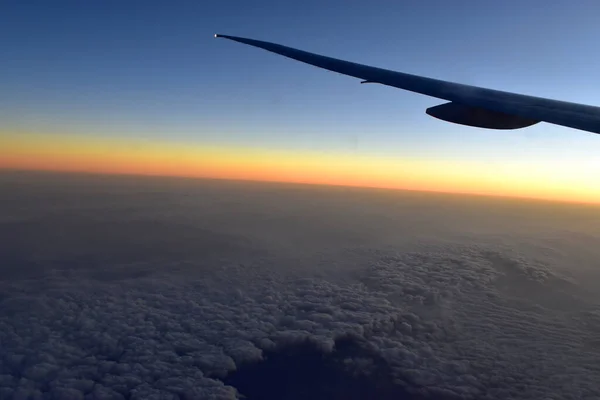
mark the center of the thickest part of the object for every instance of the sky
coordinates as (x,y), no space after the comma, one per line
(144,88)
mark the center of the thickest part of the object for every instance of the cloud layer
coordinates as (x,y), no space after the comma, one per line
(145,300)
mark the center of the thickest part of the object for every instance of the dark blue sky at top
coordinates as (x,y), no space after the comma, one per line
(152,69)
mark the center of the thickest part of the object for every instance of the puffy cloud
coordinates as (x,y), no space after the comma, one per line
(429,316)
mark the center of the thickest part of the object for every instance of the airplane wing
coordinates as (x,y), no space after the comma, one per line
(467,105)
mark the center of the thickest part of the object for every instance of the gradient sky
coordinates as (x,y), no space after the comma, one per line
(143,87)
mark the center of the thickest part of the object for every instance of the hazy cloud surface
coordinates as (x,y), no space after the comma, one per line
(160,288)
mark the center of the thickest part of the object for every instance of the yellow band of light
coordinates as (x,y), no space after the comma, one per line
(136,156)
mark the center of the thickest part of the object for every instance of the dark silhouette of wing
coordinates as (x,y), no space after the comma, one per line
(468,105)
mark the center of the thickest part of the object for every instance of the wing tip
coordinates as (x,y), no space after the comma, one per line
(218,35)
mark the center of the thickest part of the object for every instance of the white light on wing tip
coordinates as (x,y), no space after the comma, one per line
(216,35)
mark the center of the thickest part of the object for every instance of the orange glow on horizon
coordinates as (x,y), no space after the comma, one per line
(121,156)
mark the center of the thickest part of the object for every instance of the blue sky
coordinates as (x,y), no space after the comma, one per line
(153,70)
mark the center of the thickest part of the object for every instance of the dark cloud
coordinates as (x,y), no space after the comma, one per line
(352,369)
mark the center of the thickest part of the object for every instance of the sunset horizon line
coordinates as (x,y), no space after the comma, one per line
(299,183)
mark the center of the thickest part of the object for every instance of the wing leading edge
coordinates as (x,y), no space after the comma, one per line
(469,105)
